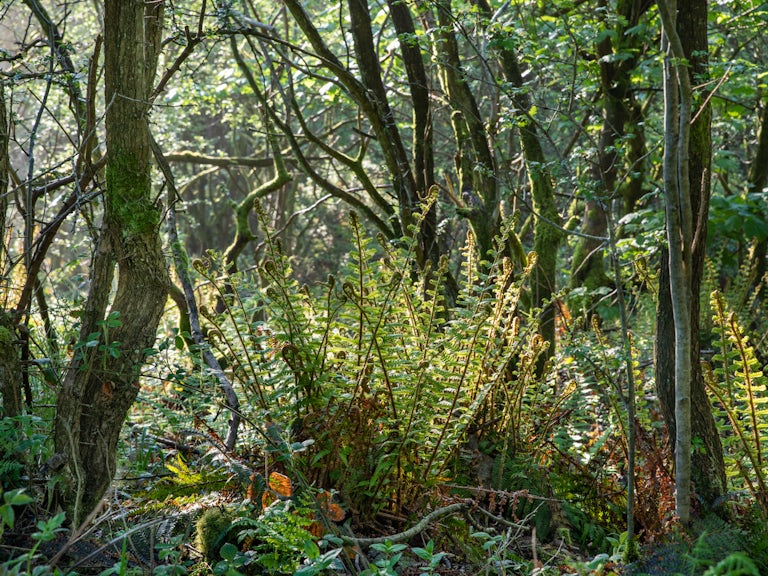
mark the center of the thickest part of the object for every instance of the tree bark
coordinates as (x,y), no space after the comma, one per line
(588,267)
(476,165)
(369,93)
(707,466)
(757,181)
(102,381)
(10,365)
(389,137)
(677,103)
(423,141)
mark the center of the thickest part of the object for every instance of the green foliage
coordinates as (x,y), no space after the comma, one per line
(278,539)
(274,542)
(714,547)
(500,556)
(744,294)
(100,342)
(735,564)
(12,498)
(21,439)
(738,217)
(368,383)
(354,376)
(46,530)
(429,556)
(389,559)
(737,386)
(184,480)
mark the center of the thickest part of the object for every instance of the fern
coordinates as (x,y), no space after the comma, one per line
(737,386)
(719,549)
(735,564)
(366,384)
(744,295)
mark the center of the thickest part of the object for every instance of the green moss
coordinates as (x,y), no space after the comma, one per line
(129,195)
(588,268)
(6,336)
(212,532)
(181,252)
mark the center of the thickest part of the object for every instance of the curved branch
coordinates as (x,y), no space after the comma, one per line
(306,165)
(420,526)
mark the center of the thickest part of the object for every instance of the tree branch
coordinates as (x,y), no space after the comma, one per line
(180,261)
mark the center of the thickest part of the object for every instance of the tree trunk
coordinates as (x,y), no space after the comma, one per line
(10,365)
(475,163)
(757,181)
(423,141)
(588,268)
(101,383)
(707,466)
(548,232)
(370,94)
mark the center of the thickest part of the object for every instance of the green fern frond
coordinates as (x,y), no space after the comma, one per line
(738,387)
(735,564)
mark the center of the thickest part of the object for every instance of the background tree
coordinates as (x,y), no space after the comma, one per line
(615,175)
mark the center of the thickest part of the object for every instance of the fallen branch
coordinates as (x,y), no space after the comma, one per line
(420,526)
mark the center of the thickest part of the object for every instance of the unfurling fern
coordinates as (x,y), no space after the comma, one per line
(737,386)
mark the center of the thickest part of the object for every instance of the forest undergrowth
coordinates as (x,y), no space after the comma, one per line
(384,432)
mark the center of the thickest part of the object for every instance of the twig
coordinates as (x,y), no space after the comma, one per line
(501,520)
(117,539)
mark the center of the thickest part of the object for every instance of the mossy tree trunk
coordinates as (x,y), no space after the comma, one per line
(10,367)
(10,364)
(102,380)
(617,57)
(706,465)
(548,233)
(475,162)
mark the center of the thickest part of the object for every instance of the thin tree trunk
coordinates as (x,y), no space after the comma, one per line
(757,181)
(369,93)
(476,164)
(691,169)
(677,102)
(423,140)
(389,138)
